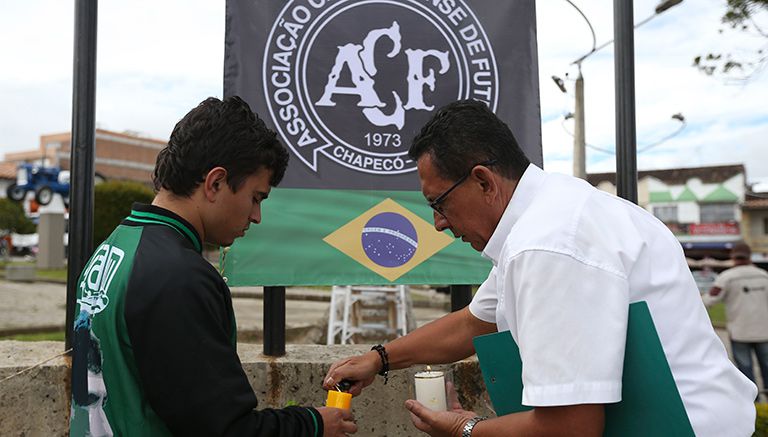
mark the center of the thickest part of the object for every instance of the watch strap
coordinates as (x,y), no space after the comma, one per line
(470,425)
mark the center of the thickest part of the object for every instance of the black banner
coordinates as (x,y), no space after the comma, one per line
(348,84)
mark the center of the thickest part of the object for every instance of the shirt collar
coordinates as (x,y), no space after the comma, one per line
(144,213)
(523,196)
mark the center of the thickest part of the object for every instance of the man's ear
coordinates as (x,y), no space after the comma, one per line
(488,182)
(214,182)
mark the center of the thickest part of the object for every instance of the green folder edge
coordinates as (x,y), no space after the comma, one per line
(650,405)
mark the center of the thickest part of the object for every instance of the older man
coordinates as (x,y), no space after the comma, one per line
(568,260)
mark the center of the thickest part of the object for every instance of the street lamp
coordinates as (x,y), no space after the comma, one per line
(579,151)
(663,6)
(560,84)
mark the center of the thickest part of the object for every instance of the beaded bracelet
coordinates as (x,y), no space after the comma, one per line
(384,361)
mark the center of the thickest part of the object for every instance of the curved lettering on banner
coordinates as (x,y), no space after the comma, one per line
(353,81)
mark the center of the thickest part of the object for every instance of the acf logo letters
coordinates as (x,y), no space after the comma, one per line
(362,67)
(352,81)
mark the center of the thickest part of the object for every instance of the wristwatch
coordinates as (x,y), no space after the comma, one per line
(470,425)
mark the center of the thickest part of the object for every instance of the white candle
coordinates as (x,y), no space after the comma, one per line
(430,390)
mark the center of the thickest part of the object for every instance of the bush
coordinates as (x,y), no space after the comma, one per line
(761,424)
(112,203)
(13,219)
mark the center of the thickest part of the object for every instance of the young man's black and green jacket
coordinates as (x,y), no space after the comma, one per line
(154,342)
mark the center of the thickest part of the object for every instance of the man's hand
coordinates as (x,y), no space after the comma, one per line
(360,370)
(337,422)
(443,423)
(438,423)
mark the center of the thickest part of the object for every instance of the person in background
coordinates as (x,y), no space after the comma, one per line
(155,334)
(744,290)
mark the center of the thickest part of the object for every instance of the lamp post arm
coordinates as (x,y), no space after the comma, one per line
(591,29)
(659,9)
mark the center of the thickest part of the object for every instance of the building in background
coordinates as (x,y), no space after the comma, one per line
(7,176)
(754,225)
(122,156)
(701,206)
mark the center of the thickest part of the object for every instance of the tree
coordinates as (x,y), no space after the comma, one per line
(112,203)
(13,219)
(740,15)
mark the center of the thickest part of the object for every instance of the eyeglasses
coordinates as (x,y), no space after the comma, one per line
(435,204)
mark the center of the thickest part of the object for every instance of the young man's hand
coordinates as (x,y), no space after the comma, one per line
(360,370)
(337,422)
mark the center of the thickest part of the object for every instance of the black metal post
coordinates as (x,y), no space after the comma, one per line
(461,296)
(624,63)
(274,321)
(82,147)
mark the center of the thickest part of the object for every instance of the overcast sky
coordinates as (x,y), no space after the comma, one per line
(158,59)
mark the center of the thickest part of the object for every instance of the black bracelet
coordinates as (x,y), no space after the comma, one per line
(384,361)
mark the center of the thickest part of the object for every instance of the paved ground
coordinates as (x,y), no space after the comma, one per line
(29,306)
(40,306)
(303,315)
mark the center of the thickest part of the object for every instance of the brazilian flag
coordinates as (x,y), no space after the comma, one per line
(340,237)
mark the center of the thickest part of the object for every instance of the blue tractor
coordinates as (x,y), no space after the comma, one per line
(43,181)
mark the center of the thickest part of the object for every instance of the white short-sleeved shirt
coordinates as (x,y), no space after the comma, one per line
(568,260)
(744,289)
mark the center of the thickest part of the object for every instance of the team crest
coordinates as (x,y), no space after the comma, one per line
(353,81)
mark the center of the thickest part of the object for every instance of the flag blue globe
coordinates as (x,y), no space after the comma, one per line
(389,239)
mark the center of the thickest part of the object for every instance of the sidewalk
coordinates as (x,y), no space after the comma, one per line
(41,307)
(422,297)
(32,307)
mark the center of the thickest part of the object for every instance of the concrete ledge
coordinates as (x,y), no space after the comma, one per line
(37,403)
(20,273)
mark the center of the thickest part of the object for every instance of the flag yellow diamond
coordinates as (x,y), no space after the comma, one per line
(388,239)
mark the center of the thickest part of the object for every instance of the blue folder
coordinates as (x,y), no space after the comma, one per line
(650,403)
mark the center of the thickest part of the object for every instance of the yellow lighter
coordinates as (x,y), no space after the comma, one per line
(338,399)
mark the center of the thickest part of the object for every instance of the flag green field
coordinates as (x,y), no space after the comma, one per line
(315,237)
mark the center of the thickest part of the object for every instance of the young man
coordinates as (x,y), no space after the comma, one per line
(154,350)
(568,260)
(744,289)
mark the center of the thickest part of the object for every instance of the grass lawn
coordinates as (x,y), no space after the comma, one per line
(53,274)
(49,274)
(717,314)
(39,336)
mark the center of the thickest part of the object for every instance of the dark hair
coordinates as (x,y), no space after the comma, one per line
(218,134)
(466,132)
(741,250)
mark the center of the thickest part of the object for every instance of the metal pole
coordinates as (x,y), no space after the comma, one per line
(82,147)
(461,296)
(624,62)
(274,321)
(579,141)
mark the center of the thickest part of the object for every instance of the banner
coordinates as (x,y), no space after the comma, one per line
(347,85)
